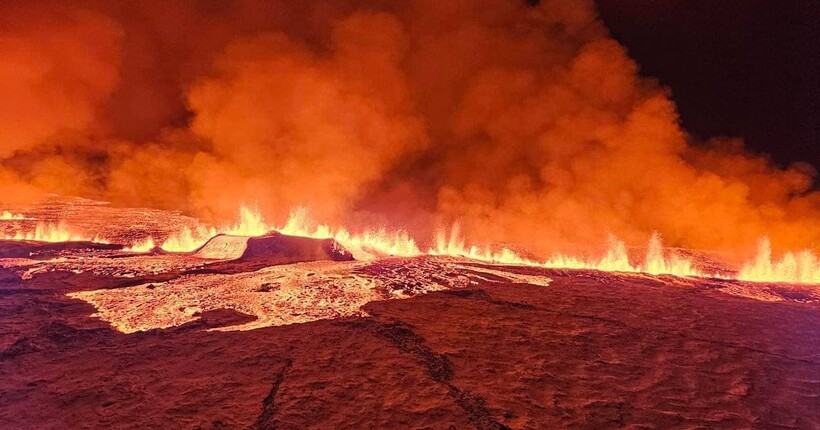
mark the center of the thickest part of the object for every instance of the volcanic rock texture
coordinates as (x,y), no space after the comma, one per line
(182,342)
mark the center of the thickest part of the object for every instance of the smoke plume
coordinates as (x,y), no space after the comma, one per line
(525,124)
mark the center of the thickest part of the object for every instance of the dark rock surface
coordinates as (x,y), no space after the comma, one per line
(589,351)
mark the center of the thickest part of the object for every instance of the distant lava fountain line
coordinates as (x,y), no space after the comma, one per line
(792,267)
(799,268)
(11,216)
(374,243)
(45,232)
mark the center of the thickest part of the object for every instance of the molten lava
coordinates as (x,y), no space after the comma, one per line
(800,267)
(143,245)
(252,223)
(10,216)
(45,232)
(371,244)
(188,239)
(616,258)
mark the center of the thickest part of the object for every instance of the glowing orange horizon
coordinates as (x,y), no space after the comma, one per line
(374,243)
(50,232)
(793,267)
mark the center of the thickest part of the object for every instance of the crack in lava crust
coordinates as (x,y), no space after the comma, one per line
(287,294)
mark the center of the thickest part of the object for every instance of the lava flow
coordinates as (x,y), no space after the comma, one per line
(45,232)
(803,267)
(799,267)
(428,214)
(371,244)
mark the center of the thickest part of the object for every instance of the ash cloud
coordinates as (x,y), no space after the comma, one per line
(525,124)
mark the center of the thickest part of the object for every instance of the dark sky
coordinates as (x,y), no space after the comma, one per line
(747,68)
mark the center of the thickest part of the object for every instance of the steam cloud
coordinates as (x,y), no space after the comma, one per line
(526,124)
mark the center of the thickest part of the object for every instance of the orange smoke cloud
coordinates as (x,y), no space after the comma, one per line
(58,65)
(315,128)
(527,124)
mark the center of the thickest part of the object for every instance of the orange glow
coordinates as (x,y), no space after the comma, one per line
(542,139)
(188,239)
(370,244)
(800,267)
(251,223)
(44,232)
(365,245)
(9,216)
(616,258)
(143,245)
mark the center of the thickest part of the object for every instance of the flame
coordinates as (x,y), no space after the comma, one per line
(616,258)
(7,216)
(188,239)
(44,232)
(143,245)
(365,245)
(800,267)
(249,223)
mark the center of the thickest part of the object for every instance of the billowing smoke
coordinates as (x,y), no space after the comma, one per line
(525,124)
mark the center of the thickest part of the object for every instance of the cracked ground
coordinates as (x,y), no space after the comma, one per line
(489,350)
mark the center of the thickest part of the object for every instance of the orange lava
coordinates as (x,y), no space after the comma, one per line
(616,258)
(10,216)
(792,267)
(143,245)
(800,267)
(373,243)
(45,232)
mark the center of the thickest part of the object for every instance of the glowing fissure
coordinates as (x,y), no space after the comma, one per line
(373,243)
(143,245)
(616,258)
(10,216)
(792,267)
(252,223)
(800,267)
(45,232)
(526,122)
(188,239)
(363,246)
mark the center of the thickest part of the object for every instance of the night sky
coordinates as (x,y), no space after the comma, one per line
(745,68)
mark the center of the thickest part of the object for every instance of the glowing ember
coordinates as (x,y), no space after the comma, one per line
(801,267)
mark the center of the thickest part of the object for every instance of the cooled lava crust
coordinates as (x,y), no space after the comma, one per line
(168,341)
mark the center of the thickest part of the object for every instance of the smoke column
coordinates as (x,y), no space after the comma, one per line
(525,124)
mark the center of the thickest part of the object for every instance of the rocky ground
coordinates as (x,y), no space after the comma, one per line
(103,340)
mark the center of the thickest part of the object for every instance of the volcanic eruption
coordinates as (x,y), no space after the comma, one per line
(198,175)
